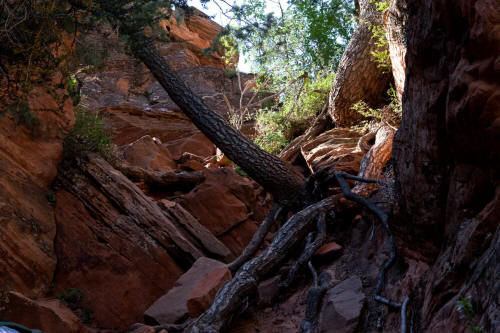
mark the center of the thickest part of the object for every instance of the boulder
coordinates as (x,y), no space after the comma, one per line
(172,307)
(148,153)
(227,204)
(48,315)
(327,252)
(203,294)
(342,306)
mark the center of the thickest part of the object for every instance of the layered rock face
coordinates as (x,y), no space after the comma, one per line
(96,231)
(30,149)
(447,156)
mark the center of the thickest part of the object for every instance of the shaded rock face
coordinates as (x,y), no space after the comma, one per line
(342,307)
(228,205)
(48,315)
(28,164)
(447,157)
(117,245)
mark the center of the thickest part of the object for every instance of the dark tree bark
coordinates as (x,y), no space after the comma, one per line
(358,77)
(275,175)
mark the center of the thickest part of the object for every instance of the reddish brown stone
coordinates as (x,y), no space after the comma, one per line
(48,315)
(148,153)
(172,307)
(328,251)
(203,294)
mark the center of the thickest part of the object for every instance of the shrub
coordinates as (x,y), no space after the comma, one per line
(381,54)
(51,198)
(277,125)
(71,296)
(391,113)
(467,313)
(90,134)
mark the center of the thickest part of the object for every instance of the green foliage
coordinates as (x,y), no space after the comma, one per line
(391,113)
(363,108)
(240,171)
(73,89)
(395,104)
(87,315)
(71,296)
(468,314)
(381,55)
(21,111)
(90,134)
(230,73)
(51,198)
(271,136)
(382,5)
(276,126)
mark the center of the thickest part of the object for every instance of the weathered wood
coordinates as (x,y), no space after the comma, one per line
(244,284)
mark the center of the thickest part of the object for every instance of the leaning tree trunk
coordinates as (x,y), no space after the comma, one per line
(275,175)
(358,76)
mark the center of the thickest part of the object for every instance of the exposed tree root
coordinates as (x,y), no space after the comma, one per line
(340,177)
(309,249)
(313,299)
(257,239)
(233,295)
(229,299)
(403,314)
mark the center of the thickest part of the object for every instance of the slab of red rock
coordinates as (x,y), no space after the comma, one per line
(28,165)
(48,315)
(267,290)
(117,245)
(342,307)
(172,307)
(203,294)
(148,153)
(328,251)
(227,204)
